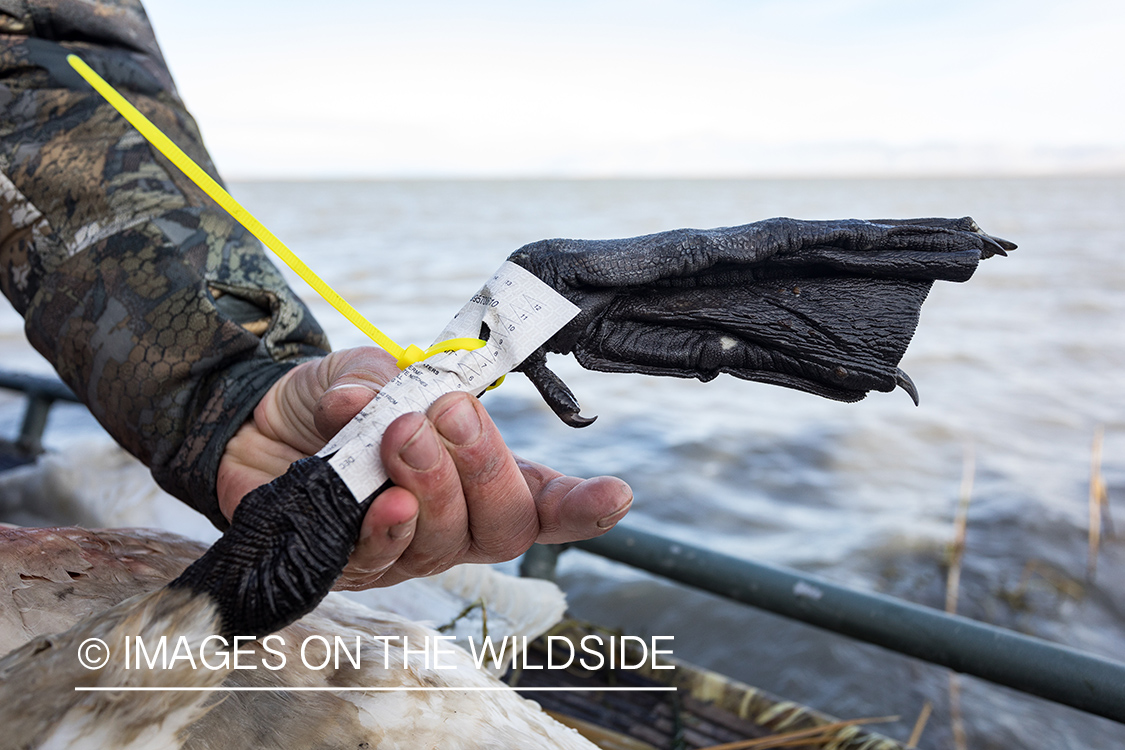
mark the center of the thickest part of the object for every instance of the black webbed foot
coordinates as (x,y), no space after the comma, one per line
(827,307)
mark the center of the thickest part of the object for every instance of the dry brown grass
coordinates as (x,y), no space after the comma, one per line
(953,586)
(812,737)
(919,726)
(1099,504)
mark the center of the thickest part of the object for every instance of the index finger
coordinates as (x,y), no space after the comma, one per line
(502,517)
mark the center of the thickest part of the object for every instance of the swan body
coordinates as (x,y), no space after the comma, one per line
(55,577)
(61,586)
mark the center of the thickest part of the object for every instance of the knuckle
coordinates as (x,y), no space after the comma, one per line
(485,469)
(427,563)
(501,543)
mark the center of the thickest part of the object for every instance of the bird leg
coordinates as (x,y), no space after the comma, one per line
(288,542)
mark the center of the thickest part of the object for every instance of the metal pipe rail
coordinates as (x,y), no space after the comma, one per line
(1031,665)
(41,394)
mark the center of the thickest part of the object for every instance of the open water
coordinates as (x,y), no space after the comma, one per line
(1017,369)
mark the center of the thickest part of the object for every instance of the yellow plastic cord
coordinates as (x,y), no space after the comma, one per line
(195,173)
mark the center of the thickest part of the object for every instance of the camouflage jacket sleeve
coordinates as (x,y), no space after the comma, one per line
(159,310)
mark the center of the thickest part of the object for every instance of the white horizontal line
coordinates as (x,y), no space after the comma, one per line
(472,689)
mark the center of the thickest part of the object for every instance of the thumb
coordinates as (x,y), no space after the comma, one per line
(350,379)
(339,404)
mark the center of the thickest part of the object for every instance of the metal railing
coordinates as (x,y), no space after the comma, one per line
(41,395)
(1031,665)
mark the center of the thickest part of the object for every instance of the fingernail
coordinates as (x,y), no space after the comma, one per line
(421,451)
(615,516)
(345,386)
(400,531)
(460,423)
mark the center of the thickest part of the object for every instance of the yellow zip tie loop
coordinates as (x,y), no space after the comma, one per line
(413,354)
(195,173)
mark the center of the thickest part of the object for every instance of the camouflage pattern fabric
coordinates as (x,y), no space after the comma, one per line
(158,309)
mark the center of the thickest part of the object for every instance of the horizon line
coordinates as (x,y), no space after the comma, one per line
(1115,173)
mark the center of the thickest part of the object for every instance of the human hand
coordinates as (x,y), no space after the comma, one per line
(460,495)
(827,307)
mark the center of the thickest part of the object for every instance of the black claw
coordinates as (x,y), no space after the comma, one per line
(1006,244)
(577,420)
(991,247)
(903,381)
(995,245)
(553,390)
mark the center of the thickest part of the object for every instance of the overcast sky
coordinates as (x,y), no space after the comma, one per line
(624,87)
